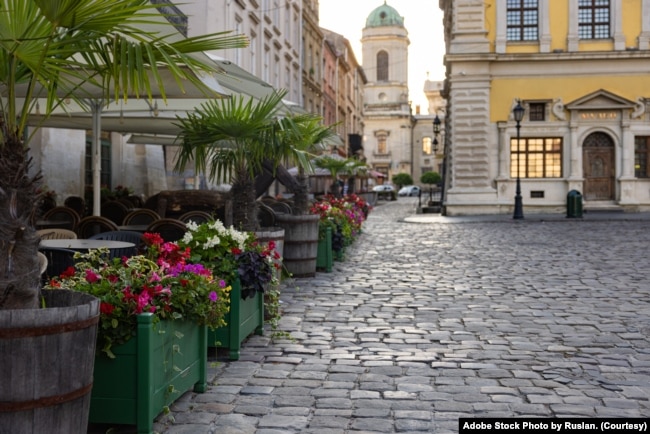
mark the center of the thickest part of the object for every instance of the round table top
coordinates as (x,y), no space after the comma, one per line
(134,228)
(85,244)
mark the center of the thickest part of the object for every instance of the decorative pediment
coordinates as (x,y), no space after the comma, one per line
(601,100)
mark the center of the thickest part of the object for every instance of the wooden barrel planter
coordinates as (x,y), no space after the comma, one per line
(300,243)
(47,358)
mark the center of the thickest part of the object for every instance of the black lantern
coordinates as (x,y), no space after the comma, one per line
(518,114)
(436,133)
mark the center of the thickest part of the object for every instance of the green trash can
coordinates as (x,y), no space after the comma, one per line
(574,204)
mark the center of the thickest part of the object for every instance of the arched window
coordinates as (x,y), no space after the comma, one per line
(382,66)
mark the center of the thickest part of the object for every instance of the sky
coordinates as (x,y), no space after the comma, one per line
(423,21)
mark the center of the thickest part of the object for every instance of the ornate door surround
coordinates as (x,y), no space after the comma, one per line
(598,153)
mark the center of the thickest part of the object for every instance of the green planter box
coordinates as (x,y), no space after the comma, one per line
(324,255)
(245,318)
(149,372)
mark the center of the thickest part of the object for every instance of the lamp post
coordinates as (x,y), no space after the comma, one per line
(436,133)
(518,114)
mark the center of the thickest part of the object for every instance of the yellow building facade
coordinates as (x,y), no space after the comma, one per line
(581,71)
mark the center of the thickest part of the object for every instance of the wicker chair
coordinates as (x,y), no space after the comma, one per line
(136,201)
(56,234)
(169,229)
(93,225)
(281,207)
(142,216)
(63,214)
(265,215)
(127,203)
(196,216)
(42,262)
(128,236)
(114,211)
(78,204)
(58,260)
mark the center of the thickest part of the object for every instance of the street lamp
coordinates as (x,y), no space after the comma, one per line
(518,114)
(436,133)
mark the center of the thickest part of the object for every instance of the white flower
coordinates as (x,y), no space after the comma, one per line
(192,226)
(187,238)
(211,242)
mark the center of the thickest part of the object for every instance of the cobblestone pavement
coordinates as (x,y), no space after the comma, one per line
(426,323)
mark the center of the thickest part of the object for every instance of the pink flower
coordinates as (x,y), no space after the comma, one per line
(143,300)
(91,276)
(213,296)
(155,278)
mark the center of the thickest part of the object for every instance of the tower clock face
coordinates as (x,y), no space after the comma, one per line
(383,96)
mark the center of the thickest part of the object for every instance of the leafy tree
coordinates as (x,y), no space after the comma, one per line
(58,50)
(430,178)
(402,179)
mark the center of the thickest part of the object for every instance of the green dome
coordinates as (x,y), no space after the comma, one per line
(384,15)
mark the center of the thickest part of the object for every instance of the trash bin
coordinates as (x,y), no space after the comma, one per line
(574,204)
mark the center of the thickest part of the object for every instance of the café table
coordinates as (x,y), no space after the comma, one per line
(134,228)
(85,244)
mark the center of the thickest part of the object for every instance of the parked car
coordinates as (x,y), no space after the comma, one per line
(385,192)
(383,187)
(409,190)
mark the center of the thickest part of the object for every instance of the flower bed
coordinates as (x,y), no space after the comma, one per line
(162,282)
(344,217)
(152,338)
(248,265)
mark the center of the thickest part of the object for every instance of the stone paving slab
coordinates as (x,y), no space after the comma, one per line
(428,321)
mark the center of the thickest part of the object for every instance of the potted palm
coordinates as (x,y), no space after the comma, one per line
(229,140)
(233,140)
(64,53)
(306,138)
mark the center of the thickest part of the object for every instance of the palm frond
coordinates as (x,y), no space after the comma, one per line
(228,134)
(62,48)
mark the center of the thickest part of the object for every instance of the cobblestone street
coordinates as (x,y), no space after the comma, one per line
(424,323)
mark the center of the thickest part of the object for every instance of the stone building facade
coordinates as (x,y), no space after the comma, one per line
(579,69)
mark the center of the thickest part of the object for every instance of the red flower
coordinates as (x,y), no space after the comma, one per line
(106,308)
(91,276)
(152,239)
(68,272)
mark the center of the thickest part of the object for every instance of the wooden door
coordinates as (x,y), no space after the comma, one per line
(598,167)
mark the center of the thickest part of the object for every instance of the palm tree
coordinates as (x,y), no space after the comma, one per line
(353,168)
(229,140)
(307,137)
(233,140)
(339,166)
(59,49)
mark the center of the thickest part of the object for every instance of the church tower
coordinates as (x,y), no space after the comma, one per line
(387,115)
